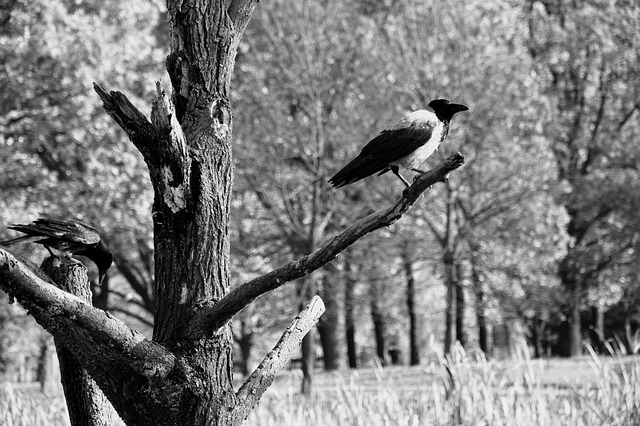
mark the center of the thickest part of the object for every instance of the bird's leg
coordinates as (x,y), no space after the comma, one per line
(396,171)
(419,171)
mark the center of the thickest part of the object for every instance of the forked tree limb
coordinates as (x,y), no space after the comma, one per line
(90,333)
(134,123)
(212,316)
(161,142)
(257,383)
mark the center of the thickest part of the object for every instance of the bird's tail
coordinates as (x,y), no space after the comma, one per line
(359,168)
(17,240)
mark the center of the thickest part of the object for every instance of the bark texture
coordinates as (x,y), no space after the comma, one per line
(87,404)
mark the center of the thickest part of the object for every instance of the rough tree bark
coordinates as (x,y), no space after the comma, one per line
(183,375)
(86,403)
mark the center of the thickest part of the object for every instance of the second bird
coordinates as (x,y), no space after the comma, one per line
(407,144)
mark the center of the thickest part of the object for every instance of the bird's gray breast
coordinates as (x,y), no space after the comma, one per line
(421,154)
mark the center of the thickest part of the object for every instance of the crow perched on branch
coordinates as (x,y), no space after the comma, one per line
(71,238)
(408,144)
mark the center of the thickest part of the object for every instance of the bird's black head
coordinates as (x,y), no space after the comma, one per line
(445,110)
(102,257)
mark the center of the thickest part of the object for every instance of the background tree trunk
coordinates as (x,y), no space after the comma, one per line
(414,344)
(378,317)
(481,319)
(461,335)
(47,376)
(349,315)
(628,335)
(450,271)
(450,309)
(329,326)
(576,327)
(308,347)
(245,343)
(597,330)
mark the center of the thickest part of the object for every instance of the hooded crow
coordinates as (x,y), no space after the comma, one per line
(71,238)
(407,144)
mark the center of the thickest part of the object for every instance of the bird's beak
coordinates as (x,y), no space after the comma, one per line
(458,108)
(101,276)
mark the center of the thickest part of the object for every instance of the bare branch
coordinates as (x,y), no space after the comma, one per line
(131,120)
(240,12)
(163,117)
(90,333)
(212,316)
(257,383)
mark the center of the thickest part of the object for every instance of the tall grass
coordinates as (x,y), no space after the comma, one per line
(469,389)
(30,407)
(464,389)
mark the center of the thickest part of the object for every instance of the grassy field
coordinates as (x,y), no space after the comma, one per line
(463,390)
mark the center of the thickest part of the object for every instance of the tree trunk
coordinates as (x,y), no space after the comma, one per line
(576,329)
(349,315)
(46,368)
(308,362)
(480,306)
(537,331)
(570,276)
(245,343)
(378,324)
(308,347)
(628,335)
(448,258)
(329,326)
(450,310)
(414,346)
(461,335)
(597,330)
(87,404)
(481,319)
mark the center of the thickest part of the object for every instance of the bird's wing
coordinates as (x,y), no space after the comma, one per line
(410,133)
(391,145)
(74,232)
